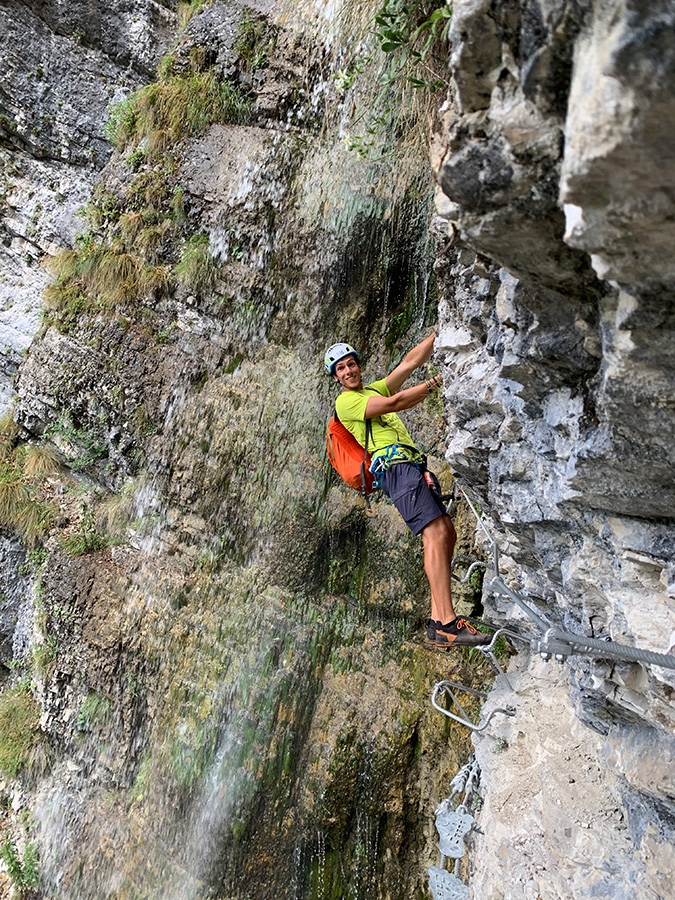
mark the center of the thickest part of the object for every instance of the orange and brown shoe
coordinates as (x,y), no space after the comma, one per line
(458,633)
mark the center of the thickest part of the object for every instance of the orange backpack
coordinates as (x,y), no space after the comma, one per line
(349,459)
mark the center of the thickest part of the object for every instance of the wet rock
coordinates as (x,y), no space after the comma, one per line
(14,587)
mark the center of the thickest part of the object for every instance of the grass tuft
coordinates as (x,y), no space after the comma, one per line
(19,730)
(40,461)
(197,270)
(172,110)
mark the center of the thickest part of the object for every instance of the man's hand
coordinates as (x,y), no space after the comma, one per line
(411,361)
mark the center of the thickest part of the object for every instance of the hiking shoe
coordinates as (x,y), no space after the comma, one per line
(454,634)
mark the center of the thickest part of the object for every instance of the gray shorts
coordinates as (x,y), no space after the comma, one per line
(404,484)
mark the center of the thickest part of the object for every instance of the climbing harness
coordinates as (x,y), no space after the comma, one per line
(453,825)
(549,641)
(396,453)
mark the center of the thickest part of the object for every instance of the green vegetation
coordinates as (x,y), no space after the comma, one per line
(22,469)
(95,710)
(24,871)
(87,445)
(395,81)
(139,246)
(99,277)
(197,269)
(255,41)
(19,729)
(171,110)
(87,538)
(44,656)
(187,10)
(408,33)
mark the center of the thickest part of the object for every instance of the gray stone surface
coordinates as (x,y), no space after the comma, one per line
(560,401)
(558,821)
(61,66)
(617,176)
(14,588)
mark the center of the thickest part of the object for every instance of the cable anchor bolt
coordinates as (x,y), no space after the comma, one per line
(549,646)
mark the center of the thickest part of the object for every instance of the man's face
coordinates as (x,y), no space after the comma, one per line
(348,373)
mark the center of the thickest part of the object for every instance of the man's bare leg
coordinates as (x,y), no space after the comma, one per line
(439,538)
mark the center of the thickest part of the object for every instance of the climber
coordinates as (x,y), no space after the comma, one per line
(402,475)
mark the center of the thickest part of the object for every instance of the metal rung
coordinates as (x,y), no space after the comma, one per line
(473,565)
(463,719)
(446,886)
(452,826)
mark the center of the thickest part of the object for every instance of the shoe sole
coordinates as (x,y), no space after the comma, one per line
(445,645)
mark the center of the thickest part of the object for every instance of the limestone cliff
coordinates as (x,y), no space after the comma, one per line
(215,655)
(555,177)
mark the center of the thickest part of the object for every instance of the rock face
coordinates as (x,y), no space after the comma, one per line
(554,174)
(61,65)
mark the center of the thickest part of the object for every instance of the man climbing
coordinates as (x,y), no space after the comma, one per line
(401,473)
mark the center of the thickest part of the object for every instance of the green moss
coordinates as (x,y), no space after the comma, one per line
(191,753)
(94,711)
(44,656)
(19,730)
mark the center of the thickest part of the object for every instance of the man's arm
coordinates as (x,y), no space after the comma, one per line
(378,406)
(411,361)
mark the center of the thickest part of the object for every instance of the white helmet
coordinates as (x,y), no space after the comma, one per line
(337,352)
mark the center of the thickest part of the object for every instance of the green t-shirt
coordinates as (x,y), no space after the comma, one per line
(387,429)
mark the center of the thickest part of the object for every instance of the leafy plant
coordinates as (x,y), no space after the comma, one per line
(24,871)
(409,33)
(404,38)
(80,441)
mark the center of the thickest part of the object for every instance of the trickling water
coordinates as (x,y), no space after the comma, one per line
(186,703)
